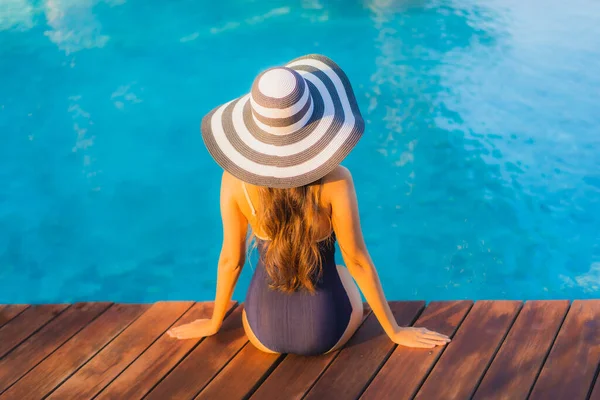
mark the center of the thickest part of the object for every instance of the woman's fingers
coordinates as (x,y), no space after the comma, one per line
(182,335)
(434,339)
(179,332)
(424,345)
(430,343)
(175,331)
(427,331)
(428,338)
(437,336)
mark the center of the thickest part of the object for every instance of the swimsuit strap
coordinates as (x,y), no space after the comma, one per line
(248,199)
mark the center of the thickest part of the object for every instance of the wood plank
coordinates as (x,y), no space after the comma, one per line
(61,364)
(308,370)
(295,375)
(26,324)
(156,362)
(363,356)
(519,361)
(123,350)
(463,363)
(8,312)
(596,391)
(204,362)
(39,345)
(241,375)
(406,369)
(571,366)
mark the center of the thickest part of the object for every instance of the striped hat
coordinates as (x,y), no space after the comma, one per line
(295,126)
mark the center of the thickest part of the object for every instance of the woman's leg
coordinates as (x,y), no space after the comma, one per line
(251,336)
(357,306)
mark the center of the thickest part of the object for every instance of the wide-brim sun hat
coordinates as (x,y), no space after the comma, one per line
(295,126)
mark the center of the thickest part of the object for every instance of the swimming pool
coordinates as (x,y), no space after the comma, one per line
(478,175)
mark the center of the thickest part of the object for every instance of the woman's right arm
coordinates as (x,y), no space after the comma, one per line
(231,262)
(346,224)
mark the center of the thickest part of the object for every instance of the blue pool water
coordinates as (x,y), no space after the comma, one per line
(478,175)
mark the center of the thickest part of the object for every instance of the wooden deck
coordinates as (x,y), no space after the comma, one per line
(500,350)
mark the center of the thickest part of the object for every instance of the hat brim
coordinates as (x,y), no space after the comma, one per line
(260,158)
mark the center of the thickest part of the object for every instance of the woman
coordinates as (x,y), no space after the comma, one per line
(281,146)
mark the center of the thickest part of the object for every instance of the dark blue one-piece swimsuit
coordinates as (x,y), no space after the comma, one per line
(300,322)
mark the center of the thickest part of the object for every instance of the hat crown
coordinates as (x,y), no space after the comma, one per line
(281,101)
(278,83)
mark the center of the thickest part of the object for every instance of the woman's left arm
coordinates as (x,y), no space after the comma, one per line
(231,261)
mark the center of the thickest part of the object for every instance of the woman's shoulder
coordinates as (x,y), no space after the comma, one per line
(229,181)
(338,184)
(231,186)
(339,176)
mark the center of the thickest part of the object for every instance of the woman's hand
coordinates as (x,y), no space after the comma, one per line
(419,337)
(196,329)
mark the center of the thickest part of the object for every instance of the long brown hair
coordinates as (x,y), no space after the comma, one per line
(289,218)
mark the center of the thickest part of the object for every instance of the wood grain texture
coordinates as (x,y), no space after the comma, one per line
(8,312)
(295,378)
(39,345)
(295,375)
(114,358)
(26,324)
(463,363)
(196,370)
(595,395)
(499,351)
(519,361)
(406,369)
(61,364)
(241,375)
(363,356)
(158,360)
(572,363)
